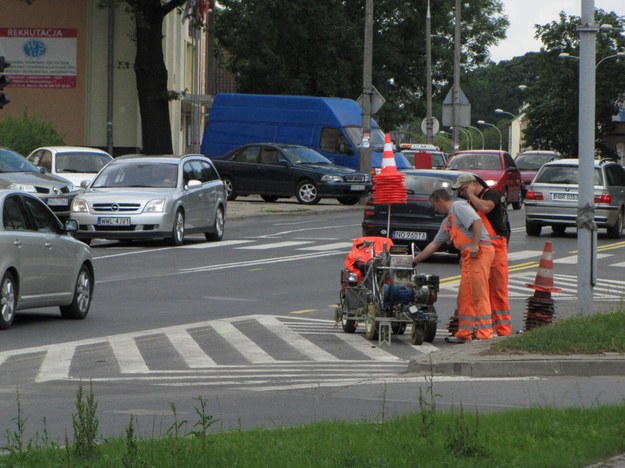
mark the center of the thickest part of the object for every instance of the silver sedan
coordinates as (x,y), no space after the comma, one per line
(40,263)
(141,197)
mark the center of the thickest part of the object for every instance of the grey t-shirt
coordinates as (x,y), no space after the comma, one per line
(464,216)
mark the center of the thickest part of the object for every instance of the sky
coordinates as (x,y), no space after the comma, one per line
(524,14)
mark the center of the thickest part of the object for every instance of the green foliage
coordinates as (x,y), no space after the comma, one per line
(25,134)
(85,423)
(316,47)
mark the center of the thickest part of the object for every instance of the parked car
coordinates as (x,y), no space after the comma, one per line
(17,173)
(40,263)
(140,197)
(496,168)
(552,198)
(412,151)
(73,163)
(529,162)
(414,223)
(275,171)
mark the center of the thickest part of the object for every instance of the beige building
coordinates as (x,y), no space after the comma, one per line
(60,54)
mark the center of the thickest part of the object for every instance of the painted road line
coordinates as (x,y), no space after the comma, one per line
(364,347)
(128,355)
(192,354)
(273,245)
(248,349)
(523,254)
(210,245)
(56,363)
(335,246)
(574,259)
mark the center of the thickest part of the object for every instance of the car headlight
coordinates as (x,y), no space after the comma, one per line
(367,178)
(333,179)
(490,182)
(155,206)
(79,206)
(23,187)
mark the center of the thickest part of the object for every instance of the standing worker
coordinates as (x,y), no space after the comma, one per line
(494,216)
(463,227)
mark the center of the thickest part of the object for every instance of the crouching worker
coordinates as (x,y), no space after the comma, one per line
(463,227)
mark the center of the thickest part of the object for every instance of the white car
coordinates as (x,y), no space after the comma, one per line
(41,265)
(74,163)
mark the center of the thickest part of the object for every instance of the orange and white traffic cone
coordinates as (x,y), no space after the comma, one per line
(540,307)
(544,276)
(388,157)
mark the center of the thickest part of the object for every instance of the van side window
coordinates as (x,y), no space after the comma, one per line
(330,140)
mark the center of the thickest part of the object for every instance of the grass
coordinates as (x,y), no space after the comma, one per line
(534,437)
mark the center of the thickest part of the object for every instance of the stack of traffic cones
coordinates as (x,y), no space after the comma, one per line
(540,307)
(389,186)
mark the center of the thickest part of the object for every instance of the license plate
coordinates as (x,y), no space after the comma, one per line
(409,235)
(564,196)
(357,187)
(57,202)
(114,221)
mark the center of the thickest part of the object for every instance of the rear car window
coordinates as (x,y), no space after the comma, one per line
(564,175)
(423,186)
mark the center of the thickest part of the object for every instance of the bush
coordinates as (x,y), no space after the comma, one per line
(25,134)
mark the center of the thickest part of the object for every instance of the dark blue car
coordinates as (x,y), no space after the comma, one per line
(276,170)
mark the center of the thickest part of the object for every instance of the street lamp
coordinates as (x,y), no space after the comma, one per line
(467,136)
(501,111)
(478,131)
(618,55)
(481,122)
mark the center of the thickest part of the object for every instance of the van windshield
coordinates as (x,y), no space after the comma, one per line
(377,137)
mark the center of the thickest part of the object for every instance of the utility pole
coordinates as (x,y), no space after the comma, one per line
(365,143)
(429,134)
(455,112)
(586,227)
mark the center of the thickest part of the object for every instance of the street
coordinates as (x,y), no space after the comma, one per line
(248,324)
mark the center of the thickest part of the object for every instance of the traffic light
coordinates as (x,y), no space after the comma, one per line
(4,81)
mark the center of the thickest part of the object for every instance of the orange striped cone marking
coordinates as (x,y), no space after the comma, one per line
(388,157)
(544,276)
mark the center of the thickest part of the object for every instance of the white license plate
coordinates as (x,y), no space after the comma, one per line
(564,196)
(57,202)
(114,221)
(357,187)
(409,235)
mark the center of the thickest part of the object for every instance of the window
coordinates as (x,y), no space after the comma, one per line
(45,221)
(330,140)
(247,155)
(615,175)
(14,218)
(46,160)
(269,156)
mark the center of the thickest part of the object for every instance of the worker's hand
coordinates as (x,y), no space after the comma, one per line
(474,251)
(414,261)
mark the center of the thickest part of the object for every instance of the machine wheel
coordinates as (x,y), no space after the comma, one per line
(430,331)
(8,301)
(349,326)
(558,229)
(83,291)
(177,230)
(348,200)
(231,194)
(616,231)
(532,228)
(269,198)
(217,232)
(398,328)
(417,336)
(307,193)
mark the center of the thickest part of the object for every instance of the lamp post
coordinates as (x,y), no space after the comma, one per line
(478,131)
(467,136)
(481,122)
(501,111)
(618,55)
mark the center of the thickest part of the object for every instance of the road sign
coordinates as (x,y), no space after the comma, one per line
(377,101)
(464,110)
(435,126)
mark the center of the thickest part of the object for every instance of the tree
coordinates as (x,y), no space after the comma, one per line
(315,47)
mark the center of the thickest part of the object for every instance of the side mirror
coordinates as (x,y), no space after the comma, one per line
(84,183)
(71,225)
(283,163)
(193,183)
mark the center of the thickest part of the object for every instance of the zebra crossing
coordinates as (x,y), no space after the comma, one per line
(255,352)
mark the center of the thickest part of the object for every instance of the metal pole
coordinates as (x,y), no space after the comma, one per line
(365,150)
(478,131)
(455,110)
(110,79)
(429,134)
(586,227)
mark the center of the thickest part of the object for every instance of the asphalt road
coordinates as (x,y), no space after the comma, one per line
(247,323)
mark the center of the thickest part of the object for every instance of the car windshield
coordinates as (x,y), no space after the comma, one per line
(531,161)
(423,185)
(303,155)
(475,162)
(563,175)
(14,162)
(81,162)
(138,174)
(377,137)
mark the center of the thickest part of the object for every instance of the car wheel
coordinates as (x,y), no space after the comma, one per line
(177,231)
(558,229)
(8,301)
(616,231)
(231,194)
(217,233)
(83,292)
(307,193)
(532,228)
(348,200)
(269,198)
(519,203)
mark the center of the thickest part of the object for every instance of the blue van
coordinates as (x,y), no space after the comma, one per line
(331,126)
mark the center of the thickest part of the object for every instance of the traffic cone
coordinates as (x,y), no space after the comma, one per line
(388,157)
(544,276)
